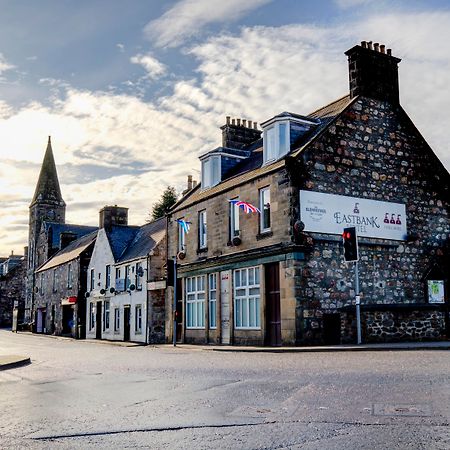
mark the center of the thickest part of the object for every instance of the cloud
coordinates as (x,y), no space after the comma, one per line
(121,47)
(345,4)
(126,150)
(4,65)
(153,67)
(188,17)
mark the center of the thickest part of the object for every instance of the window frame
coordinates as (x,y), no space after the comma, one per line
(233,216)
(107,276)
(262,227)
(138,319)
(54,281)
(210,177)
(106,314)
(195,300)
(92,279)
(91,315)
(245,301)
(202,230)
(69,276)
(127,281)
(181,236)
(212,302)
(272,154)
(138,278)
(116,320)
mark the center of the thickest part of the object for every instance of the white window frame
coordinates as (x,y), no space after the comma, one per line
(69,276)
(202,230)
(234,220)
(107,276)
(91,315)
(138,278)
(195,302)
(262,227)
(127,277)
(138,319)
(271,154)
(92,279)
(212,299)
(106,314)
(209,176)
(247,302)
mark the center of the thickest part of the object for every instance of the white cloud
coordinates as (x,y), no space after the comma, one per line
(345,4)
(152,66)
(188,17)
(254,75)
(4,65)
(121,47)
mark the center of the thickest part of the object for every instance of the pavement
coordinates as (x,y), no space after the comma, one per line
(13,361)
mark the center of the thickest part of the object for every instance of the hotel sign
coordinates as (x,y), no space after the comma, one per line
(330,214)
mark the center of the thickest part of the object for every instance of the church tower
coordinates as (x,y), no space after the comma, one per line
(47,205)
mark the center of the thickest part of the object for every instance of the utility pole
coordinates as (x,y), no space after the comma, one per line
(358,304)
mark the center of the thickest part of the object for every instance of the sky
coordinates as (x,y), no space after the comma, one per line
(133,92)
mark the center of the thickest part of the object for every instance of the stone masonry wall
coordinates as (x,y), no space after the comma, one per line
(374,152)
(12,288)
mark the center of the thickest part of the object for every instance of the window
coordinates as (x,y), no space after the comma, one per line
(116,319)
(54,280)
(127,277)
(234,220)
(91,315)
(246,298)
(195,302)
(276,141)
(120,286)
(138,319)
(202,242)
(264,207)
(92,283)
(69,276)
(41,287)
(106,315)
(108,277)
(211,171)
(212,287)
(139,275)
(181,238)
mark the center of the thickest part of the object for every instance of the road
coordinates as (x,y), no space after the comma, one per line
(80,395)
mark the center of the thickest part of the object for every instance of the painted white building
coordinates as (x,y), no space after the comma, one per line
(119,305)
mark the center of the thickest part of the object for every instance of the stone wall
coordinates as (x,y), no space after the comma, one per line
(12,288)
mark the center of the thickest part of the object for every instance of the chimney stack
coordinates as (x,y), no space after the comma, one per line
(372,72)
(239,133)
(113,215)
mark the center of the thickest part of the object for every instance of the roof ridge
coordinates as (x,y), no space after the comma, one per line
(328,105)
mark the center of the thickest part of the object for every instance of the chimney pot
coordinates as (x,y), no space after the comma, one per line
(255,125)
(376,47)
(382,48)
(249,123)
(194,183)
(189,182)
(369,45)
(244,123)
(238,122)
(363,44)
(233,122)
(389,52)
(228,120)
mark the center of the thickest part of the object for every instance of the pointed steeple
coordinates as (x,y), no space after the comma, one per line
(47,188)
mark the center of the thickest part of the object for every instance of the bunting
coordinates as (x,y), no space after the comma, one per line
(247,207)
(184,225)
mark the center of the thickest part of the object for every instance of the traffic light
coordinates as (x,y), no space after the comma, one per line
(350,244)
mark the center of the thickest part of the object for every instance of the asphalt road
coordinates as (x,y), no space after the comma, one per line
(80,395)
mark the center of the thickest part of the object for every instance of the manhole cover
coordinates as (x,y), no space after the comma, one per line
(417,410)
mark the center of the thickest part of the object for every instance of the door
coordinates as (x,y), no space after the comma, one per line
(126,323)
(273,310)
(331,329)
(39,322)
(225,286)
(67,319)
(98,321)
(179,310)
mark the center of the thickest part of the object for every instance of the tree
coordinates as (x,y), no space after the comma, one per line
(168,199)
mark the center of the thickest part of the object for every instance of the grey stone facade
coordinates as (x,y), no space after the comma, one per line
(12,289)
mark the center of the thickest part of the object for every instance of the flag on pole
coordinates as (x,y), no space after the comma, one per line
(184,225)
(247,207)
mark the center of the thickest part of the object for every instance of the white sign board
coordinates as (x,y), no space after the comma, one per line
(330,214)
(436,291)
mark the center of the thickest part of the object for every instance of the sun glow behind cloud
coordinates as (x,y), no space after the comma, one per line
(125,150)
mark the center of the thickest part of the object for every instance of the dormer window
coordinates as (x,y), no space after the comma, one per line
(211,171)
(281,132)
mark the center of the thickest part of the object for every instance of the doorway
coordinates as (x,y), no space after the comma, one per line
(225,278)
(331,329)
(98,321)
(40,320)
(179,310)
(67,320)
(126,323)
(273,310)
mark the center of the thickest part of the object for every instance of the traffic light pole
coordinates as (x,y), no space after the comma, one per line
(358,304)
(174,332)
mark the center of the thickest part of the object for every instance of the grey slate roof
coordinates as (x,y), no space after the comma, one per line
(145,240)
(58,228)
(69,253)
(120,237)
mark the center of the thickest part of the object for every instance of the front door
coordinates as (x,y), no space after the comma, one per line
(225,278)
(179,309)
(39,321)
(98,321)
(331,329)
(126,323)
(273,311)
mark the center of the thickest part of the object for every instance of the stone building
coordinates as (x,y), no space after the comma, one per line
(60,305)
(278,277)
(12,291)
(48,232)
(125,294)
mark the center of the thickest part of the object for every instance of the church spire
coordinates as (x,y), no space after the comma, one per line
(47,188)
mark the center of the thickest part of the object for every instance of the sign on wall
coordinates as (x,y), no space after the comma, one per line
(436,291)
(330,214)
